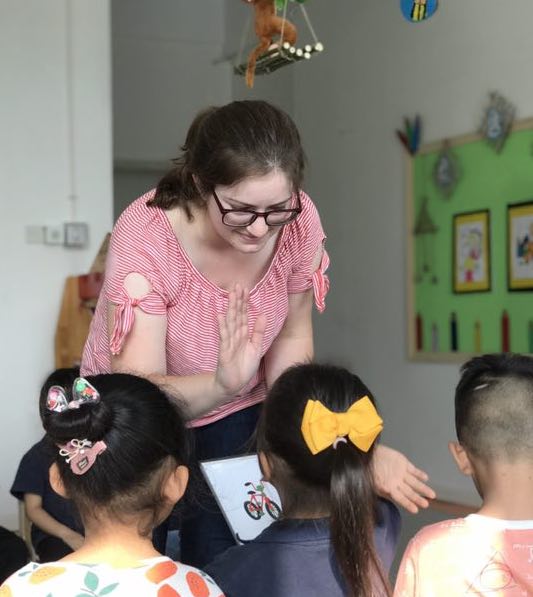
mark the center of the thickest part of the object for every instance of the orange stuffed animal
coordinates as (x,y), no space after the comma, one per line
(267,26)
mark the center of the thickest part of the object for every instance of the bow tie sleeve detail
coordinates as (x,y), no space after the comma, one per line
(125,316)
(321,283)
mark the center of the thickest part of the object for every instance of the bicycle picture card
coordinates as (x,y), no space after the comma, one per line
(248,503)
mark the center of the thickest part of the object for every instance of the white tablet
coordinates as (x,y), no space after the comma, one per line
(249,504)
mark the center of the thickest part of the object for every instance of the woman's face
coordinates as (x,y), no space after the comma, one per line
(258,193)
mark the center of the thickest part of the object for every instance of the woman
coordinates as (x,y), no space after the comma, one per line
(209,289)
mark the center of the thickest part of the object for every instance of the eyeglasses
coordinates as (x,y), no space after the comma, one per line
(241,218)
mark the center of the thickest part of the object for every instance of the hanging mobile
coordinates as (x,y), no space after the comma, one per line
(268,55)
(497,121)
(411,134)
(447,172)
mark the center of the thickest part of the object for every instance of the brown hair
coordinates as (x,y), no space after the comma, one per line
(227,144)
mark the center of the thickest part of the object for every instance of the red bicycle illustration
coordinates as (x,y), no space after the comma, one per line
(259,501)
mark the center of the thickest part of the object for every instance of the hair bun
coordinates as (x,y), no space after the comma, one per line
(90,419)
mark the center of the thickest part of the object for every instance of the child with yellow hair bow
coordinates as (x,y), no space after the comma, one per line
(315,440)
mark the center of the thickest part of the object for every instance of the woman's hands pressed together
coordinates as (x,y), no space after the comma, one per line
(240,351)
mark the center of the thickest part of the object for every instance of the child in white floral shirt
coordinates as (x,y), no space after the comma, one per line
(122,454)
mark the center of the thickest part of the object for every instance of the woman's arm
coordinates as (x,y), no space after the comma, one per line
(294,343)
(33,505)
(398,479)
(395,477)
(144,353)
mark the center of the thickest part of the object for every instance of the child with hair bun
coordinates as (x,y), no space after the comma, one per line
(121,455)
(315,440)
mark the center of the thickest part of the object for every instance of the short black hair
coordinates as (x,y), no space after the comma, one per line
(494,406)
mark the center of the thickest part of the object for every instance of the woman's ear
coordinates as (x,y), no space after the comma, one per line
(56,482)
(265,465)
(176,483)
(461,458)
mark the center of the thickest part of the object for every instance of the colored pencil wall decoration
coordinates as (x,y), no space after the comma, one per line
(453,332)
(419,332)
(506,341)
(410,136)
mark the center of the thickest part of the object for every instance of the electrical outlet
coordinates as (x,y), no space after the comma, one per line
(54,235)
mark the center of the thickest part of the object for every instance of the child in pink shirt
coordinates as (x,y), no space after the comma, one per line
(489,553)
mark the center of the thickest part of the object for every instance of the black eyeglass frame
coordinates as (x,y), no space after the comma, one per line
(295,211)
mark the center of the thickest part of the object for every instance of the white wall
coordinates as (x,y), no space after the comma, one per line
(163,72)
(168,64)
(377,68)
(34,189)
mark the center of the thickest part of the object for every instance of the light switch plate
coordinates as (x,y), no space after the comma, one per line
(76,234)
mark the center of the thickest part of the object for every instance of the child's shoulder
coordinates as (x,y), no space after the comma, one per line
(443,533)
(443,527)
(154,577)
(182,577)
(28,579)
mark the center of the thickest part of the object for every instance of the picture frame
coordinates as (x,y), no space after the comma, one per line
(520,246)
(471,269)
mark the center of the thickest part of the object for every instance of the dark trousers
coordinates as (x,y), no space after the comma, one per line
(51,549)
(204,532)
(13,553)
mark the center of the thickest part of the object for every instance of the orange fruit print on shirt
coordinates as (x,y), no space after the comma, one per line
(45,573)
(197,585)
(167,591)
(161,571)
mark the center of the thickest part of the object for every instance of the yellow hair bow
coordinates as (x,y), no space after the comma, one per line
(321,427)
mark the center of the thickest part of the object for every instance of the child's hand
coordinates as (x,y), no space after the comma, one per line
(395,477)
(73,540)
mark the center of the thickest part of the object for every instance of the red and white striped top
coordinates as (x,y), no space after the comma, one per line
(144,242)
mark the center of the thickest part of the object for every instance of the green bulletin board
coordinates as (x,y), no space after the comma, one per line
(488,181)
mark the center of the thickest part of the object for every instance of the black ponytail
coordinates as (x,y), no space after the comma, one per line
(336,480)
(178,186)
(353,507)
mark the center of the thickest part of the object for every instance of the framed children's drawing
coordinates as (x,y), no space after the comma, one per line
(471,251)
(520,246)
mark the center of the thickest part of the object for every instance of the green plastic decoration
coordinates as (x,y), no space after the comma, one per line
(280,4)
